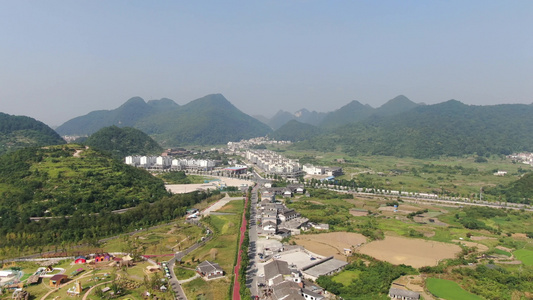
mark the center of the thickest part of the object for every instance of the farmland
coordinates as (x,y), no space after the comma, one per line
(448,290)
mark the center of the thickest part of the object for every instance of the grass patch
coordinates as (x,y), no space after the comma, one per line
(449,290)
(182,273)
(524,255)
(502,252)
(346,277)
(213,289)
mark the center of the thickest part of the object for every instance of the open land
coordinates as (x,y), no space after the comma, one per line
(331,243)
(412,252)
(396,250)
(187,188)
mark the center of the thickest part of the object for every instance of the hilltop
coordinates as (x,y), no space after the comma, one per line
(121,142)
(20,131)
(60,180)
(127,115)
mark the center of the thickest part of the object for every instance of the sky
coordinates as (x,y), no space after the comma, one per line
(63,59)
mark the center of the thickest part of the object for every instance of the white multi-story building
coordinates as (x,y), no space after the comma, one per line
(166,162)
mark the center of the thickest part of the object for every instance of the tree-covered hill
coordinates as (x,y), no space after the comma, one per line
(398,104)
(279,119)
(519,191)
(60,180)
(121,142)
(20,131)
(450,128)
(295,131)
(127,115)
(206,121)
(74,190)
(350,113)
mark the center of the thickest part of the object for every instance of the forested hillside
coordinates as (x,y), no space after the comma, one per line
(206,121)
(520,191)
(127,115)
(60,180)
(295,131)
(450,128)
(19,131)
(121,142)
(75,189)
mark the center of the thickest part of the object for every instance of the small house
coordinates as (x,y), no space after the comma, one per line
(395,293)
(57,280)
(209,270)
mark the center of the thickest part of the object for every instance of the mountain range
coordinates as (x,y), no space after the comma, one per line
(349,113)
(205,121)
(450,128)
(400,127)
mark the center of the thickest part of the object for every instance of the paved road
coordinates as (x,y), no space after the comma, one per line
(236,284)
(174,283)
(251,272)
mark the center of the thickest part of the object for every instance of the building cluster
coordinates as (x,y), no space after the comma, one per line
(274,163)
(170,163)
(524,157)
(290,282)
(277,220)
(247,144)
(328,171)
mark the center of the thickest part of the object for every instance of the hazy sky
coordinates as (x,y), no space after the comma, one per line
(62,59)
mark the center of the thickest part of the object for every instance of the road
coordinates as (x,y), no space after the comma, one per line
(176,286)
(236,284)
(251,271)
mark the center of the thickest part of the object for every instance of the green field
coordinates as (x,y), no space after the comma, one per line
(221,249)
(502,252)
(345,277)
(524,255)
(457,176)
(448,290)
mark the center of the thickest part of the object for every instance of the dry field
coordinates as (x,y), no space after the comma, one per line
(396,250)
(413,252)
(331,243)
(358,213)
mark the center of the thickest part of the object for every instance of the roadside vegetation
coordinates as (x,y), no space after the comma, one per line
(222,249)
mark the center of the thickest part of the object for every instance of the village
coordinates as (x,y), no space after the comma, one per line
(288,252)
